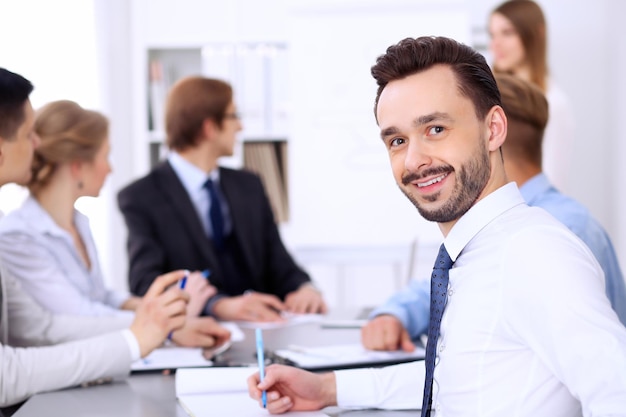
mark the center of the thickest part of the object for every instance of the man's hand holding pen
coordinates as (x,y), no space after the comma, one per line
(162,310)
(200,290)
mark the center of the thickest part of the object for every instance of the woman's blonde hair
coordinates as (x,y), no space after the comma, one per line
(68,133)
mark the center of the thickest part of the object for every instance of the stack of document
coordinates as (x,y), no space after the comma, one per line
(344,356)
(171,356)
(208,392)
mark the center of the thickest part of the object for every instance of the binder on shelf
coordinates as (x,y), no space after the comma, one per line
(267,160)
(158,91)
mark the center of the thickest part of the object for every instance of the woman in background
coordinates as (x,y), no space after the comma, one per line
(519,47)
(46,243)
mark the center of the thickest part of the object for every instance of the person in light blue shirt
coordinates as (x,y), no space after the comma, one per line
(404,317)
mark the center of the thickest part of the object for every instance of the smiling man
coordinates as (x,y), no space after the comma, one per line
(526,328)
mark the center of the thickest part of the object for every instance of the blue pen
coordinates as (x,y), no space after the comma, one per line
(260,355)
(181,284)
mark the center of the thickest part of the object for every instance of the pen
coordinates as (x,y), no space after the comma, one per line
(181,284)
(206,273)
(261,358)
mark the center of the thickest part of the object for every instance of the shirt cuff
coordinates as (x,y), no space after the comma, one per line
(355,399)
(208,308)
(133,344)
(396,387)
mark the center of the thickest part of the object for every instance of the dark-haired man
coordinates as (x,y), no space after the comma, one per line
(519,322)
(404,316)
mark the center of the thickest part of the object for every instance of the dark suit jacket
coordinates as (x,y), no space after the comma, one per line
(165,233)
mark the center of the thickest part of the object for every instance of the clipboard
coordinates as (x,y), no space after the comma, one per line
(345,356)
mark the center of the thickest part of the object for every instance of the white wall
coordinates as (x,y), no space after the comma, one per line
(587,45)
(617,135)
(57,51)
(339,170)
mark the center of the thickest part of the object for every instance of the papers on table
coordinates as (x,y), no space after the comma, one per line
(171,357)
(345,356)
(206,392)
(290,319)
(174,357)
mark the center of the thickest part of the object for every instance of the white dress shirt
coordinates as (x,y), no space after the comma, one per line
(527,330)
(43,258)
(193,180)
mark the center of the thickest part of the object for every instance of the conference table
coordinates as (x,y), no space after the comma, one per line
(152,394)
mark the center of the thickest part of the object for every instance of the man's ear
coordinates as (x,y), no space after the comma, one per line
(209,129)
(2,141)
(497,125)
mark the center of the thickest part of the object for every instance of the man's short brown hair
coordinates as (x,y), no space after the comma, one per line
(190,102)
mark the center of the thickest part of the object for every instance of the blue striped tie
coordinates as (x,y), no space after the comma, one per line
(438,297)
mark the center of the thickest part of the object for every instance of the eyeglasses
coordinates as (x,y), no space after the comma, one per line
(233,116)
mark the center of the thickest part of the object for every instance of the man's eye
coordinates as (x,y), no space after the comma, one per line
(396,142)
(435,130)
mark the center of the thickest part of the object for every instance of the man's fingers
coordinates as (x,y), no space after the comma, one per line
(406,344)
(163,281)
(175,323)
(253,390)
(279,405)
(270,300)
(265,313)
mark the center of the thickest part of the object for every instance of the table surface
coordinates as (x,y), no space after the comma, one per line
(153,394)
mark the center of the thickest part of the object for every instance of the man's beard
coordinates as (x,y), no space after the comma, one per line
(470,182)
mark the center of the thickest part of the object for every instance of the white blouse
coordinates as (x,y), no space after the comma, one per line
(42,257)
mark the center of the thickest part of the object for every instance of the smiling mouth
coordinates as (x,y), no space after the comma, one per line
(431,182)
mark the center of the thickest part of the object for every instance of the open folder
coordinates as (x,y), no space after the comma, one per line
(344,356)
(208,392)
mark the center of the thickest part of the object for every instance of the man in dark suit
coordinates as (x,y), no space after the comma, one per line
(190,213)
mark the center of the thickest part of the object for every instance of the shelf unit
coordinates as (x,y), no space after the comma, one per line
(257,73)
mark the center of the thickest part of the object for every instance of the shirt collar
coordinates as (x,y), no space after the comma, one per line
(192,177)
(479,216)
(535,187)
(41,220)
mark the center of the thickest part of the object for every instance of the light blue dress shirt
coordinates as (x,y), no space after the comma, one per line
(193,179)
(411,305)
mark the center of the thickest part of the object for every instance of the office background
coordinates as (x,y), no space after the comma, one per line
(341,192)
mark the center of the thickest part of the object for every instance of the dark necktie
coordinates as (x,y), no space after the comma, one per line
(438,296)
(215,215)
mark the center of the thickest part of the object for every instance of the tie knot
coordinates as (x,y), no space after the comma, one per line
(208,184)
(443,259)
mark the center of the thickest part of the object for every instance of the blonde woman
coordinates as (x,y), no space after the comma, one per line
(47,244)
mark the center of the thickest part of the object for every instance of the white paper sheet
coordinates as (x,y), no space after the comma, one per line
(171,356)
(209,392)
(290,319)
